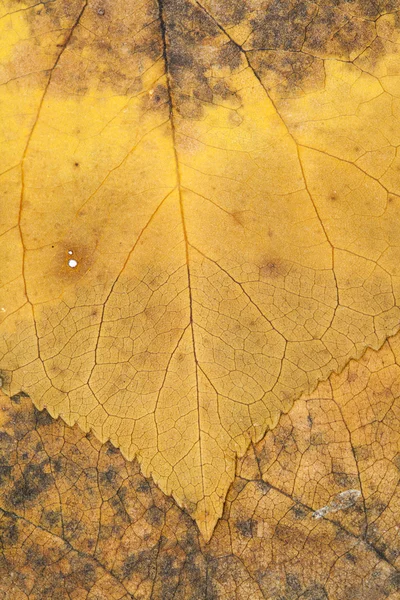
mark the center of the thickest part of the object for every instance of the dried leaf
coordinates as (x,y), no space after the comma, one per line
(201,207)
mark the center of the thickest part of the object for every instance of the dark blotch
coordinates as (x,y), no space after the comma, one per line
(351,558)
(33,482)
(196,47)
(395,581)
(144,487)
(272,268)
(42,417)
(140,563)
(5,473)
(293,583)
(129,565)
(84,575)
(299,512)
(154,515)
(5,437)
(12,534)
(52,517)
(4,379)
(110,475)
(396,461)
(167,566)
(345,480)
(57,464)
(247,528)
(119,509)
(282,25)
(316,592)
(35,557)
(111,450)
(9,529)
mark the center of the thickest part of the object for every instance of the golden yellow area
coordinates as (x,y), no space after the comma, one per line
(174,283)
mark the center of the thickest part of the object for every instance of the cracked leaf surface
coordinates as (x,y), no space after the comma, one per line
(224,176)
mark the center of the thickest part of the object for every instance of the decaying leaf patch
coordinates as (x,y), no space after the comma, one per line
(201,207)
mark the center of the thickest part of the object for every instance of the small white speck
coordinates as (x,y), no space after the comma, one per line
(72,263)
(2,309)
(70,252)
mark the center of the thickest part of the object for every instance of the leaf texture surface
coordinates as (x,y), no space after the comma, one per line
(200,209)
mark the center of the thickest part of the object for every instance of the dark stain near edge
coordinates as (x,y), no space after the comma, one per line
(16,398)
(288,41)
(327,29)
(281,25)
(5,379)
(196,46)
(290,73)
(108,45)
(228,12)
(42,417)
(110,449)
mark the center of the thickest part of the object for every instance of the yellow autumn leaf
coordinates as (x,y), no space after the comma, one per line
(200,207)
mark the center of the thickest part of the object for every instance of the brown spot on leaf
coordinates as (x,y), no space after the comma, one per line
(272,268)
